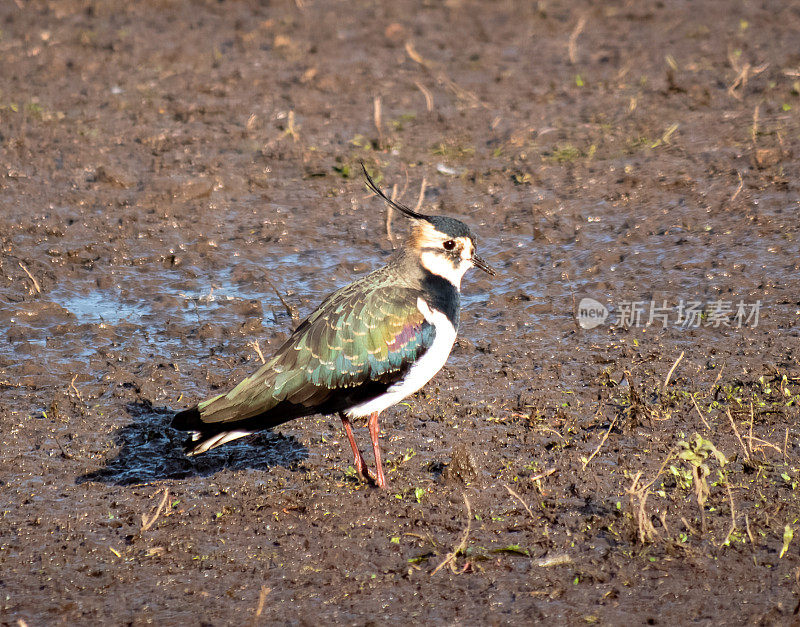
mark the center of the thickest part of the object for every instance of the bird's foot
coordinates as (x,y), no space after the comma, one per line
(380,479)
(367,476)
(374,432)
(363,471)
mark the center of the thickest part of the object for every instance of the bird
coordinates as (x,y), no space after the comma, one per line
(368,346)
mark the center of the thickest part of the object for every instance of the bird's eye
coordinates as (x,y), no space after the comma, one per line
(449,245)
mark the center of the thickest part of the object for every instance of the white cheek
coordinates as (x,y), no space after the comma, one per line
(441,266)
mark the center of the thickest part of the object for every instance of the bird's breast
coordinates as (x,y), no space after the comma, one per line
(423,369)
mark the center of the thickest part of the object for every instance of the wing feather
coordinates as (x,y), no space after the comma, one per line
(355,337)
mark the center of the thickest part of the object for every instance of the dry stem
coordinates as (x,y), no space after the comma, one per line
(733,516)
(426,94)
(543,474)
(390,215)
(738,189)
(289,309)
(72,386)
(254,344)
(573,38)
(36,285)
(699,413)
(640,492)
(602,441)
(461,545)
(376,116)
(262,597)
(148,522)
(421,196)
(671,370)
(785,444)
(754,129)
(738,437)
(645,527)
(519,498)
(440,75)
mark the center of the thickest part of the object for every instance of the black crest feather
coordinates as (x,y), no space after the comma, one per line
(395,205)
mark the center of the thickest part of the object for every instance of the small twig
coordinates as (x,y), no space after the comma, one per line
(747,528)
(645,527)
(602,441)
(421,196)
(291,130)
(405,182)
(441,76)
(519,498)
(739,81)
(426,93)
(72,385)
(699,413)
(542,475)
(255,345)
(573,38)
(36,285)
(64,454)
(750,430)
(738,189)
(554,560)
(754,130)
(701,492)
(671,370)
(691,529)
(289,309)
(376,116)
(390,215)
(738,437)
(572,292)
(733,516)
(785,444)
(462,543)
(546,429)
(763,443)
(411,51)
(743,74)
(719,376)
(147,523)
(663,518)
(262,598)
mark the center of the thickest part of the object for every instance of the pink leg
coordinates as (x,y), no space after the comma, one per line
(374,432)
(358,459)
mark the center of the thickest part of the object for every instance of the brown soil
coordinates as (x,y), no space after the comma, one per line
(173,171)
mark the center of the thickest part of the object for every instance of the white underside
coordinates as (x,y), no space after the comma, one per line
(422,371)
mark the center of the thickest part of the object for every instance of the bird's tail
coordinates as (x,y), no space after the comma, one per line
(203,436)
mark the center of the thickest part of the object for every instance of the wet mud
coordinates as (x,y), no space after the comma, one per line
(179,185)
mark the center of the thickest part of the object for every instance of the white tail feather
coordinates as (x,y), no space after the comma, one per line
(218,440)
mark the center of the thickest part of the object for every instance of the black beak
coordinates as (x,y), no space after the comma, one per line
(480,263)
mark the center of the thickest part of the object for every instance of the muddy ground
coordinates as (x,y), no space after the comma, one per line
(178,178)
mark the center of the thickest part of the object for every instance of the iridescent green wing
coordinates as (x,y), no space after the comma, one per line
(355,337)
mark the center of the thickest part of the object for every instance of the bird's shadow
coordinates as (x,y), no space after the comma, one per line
(151,450)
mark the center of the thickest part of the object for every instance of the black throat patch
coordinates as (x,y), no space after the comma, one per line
(442,295)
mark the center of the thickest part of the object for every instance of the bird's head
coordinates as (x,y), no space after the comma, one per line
(445,246)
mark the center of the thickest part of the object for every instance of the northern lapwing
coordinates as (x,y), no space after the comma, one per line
(368,345)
